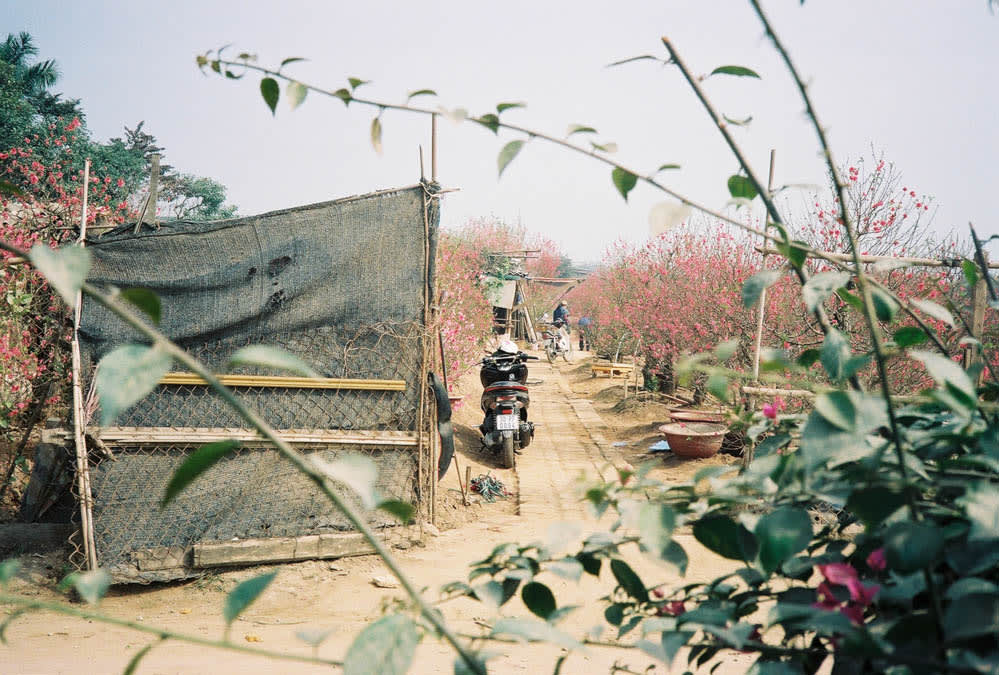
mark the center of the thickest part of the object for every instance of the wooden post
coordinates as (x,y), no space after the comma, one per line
(980,297)
(761,307)
(80,442)
(433,147)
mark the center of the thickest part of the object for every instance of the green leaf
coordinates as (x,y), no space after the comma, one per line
(717,386)
(851,299)
(357,472)
(835,354)
(292,59)
(772,444)
(873,505)
(539,599)
(376,134)
(911,545)
(91,585)
(754,286)
(781,534)
(981,505)
(907,336)
(314,636)
(933,310)
(885,306)
(385,647)
(808,358)
(244,594)
(655,526)
(673,642)
(567,568)
(668,167)
(8,568)
(740,187)
(739,123)
(145,300)
(489,121)
(196,464)
(8,188)
(971,616)
(628,580)
(296,92)
(624,181)
(275,358)
(533,630)
(605,147)
(675,555)
(737,71)
(507,154)
(133,662)
(507,106)
(126,375)
(837,409)
(725,350)
(420,92)
(725,537)
(64,268)
(821,286)
(796,252)
(579,129)
(271,92)
(948,374)
(403,511)
(355,82)
(344,95)
(823,442)
(591,564)
(461,666)
(970,270)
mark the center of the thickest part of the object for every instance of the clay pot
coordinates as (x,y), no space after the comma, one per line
(694,439)
(691,415)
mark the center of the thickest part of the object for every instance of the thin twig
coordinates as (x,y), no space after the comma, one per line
(31,604)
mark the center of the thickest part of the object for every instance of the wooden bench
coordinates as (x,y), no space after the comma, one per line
(612,369)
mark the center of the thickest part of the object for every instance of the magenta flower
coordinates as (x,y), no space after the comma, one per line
(876,560)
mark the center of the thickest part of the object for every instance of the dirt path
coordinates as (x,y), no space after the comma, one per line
(572,440)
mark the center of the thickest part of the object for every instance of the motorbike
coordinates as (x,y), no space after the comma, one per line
(505,428)
(556,341)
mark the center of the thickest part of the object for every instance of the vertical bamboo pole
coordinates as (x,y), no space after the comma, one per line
(761,308)
(82,463)
(979,304)
(433,147)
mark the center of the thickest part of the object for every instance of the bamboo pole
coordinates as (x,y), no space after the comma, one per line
(761,307)
(287,381)
(80,442)
(916,262)
(433,147)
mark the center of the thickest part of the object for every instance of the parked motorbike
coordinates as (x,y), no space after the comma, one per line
(505,428)
(557,342)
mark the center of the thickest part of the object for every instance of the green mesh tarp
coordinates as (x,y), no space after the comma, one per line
(341,284)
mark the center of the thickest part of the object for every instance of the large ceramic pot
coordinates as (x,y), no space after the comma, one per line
(694,439)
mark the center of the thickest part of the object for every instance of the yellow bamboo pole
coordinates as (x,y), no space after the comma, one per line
(287,381)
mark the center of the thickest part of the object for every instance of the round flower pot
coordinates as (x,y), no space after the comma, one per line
(690,415)
(694,439)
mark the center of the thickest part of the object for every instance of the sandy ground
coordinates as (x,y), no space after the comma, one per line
(582,430)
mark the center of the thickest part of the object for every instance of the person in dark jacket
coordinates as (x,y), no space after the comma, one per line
(585,323)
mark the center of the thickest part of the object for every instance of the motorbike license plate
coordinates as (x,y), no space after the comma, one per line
(507,422)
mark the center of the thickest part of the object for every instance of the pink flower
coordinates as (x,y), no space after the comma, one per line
(855,613)
(840,574)
(876,560)
(675,608)
(825,598)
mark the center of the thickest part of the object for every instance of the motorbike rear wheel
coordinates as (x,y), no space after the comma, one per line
(550,352)
(567,352)
(508,458)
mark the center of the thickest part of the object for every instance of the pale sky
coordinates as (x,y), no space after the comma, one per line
(914,78)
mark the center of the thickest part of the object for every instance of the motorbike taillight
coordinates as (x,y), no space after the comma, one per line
(500,399)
